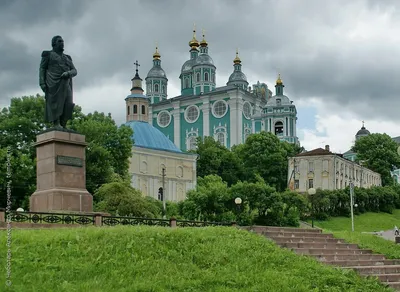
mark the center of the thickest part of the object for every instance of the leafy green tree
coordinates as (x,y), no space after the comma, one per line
(266,155)
(109,148)
(208,201)
(378,152)
(216,159)
(107,156)
(119,198)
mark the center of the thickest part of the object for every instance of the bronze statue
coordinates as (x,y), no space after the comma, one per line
(55,79)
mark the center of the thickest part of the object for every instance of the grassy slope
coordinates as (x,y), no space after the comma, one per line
(164,259)
(367,222)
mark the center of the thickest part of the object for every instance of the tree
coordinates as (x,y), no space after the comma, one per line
(119,198)
(378,152)
(216,159)
(109,148)
(264,154)
(107,156)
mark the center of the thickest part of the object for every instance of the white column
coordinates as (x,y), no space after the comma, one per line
(150,116)
(177,125)
(206,118)
(253,126)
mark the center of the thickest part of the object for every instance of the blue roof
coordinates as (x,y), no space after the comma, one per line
(147,136)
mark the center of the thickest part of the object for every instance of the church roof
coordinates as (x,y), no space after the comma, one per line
(315,152)
(363,131)
(147,136)
(157,72)
(284,100)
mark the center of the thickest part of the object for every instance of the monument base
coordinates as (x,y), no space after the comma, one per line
(61,173)
(60,200)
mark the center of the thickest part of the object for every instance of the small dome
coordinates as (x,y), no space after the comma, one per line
(237,76)
(187,66)
(203,59)
(363,132)
(279,80)
(147,136)
(156,72)
(284,100)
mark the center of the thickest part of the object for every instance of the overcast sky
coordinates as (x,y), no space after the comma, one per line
(339,59)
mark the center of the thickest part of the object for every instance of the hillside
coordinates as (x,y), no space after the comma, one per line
(165,259)
(367,222)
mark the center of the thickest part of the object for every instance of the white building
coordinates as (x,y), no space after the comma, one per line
(322,169)
(156,163)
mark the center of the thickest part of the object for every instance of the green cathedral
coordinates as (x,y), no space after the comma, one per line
(229,113)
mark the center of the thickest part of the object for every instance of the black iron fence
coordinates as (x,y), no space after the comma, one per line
(97,219)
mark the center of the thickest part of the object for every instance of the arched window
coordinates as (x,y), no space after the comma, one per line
(198,77)
(278,128)
(186,82)
(156,87)
(191,143)
(135,109)
(143,110)
(129,112)
(221,138)
(206,76)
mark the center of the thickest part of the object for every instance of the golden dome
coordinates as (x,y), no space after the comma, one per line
(279,80)
(237,59)
(194,42)
(203,42)
(156,54)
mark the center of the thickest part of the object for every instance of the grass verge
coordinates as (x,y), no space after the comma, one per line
(165,259)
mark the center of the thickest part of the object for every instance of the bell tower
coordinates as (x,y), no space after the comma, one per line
(137,104)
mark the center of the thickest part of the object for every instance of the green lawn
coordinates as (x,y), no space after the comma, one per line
(366,222)
(165,259)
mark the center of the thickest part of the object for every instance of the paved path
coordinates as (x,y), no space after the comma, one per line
(388,234)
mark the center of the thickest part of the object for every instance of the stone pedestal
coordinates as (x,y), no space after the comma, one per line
(61,173)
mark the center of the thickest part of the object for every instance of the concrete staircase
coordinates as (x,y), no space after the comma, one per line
(329,250)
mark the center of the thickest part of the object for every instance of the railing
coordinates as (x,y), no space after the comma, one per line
(52,218)
(98,219)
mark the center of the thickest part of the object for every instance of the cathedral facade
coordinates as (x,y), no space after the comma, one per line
(229,113)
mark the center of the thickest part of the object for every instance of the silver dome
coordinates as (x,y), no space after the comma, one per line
(284,100)
(203,59)
(157,72)
(237,76)
(187,66)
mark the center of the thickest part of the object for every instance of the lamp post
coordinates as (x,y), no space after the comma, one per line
(238,202)
(352,204)
(312,192)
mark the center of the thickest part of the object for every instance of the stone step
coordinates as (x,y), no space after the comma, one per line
(285,239)
(394,285)
(319,245)
(362,263)
(376,270)
(284,229)
(348,257)
(387,277)
(330,251)
(274,234)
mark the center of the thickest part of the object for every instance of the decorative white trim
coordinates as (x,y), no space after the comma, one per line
(251,110)
(213,108)
(221,129)
(193,133)
(158,118)
(206,118)
(186,113)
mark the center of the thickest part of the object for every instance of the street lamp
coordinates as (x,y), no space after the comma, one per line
(238,202)
(312,192)
(20,209)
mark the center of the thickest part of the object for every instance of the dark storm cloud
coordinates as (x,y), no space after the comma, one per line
(297,38)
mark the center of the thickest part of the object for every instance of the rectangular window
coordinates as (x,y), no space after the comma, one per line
(296,184)
(325,165)
(310,183)
(311,166)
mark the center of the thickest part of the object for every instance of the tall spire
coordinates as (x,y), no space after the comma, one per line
(279,85)
(237,59)
(194,43)
(156,54)
(136,81)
